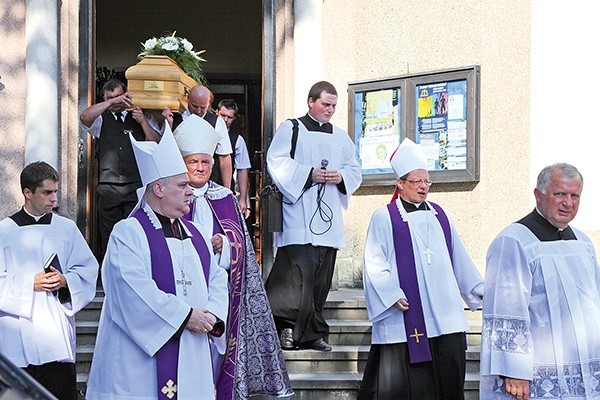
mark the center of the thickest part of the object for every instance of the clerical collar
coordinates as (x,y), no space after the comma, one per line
(411,207)
(544,230)
(200,192)
(23,218)
(169,225)
(313,125)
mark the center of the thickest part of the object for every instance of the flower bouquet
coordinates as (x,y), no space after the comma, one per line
(179,50)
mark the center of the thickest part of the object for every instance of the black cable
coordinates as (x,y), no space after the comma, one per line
(325,212)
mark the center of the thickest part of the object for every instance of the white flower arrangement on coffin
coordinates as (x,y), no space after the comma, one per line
(179,50)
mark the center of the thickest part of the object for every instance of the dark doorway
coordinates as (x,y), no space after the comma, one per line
(231,32)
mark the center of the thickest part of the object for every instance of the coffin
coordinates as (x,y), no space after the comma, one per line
(156,82)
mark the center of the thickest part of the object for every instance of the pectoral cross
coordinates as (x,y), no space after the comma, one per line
(428,253)
(184,283)
(169,389)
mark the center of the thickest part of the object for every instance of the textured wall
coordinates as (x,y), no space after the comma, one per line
(376,39)
(13,67)
(12,102)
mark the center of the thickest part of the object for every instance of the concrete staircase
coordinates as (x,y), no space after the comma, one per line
(314,374)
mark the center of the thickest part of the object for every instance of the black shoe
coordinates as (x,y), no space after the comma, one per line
(286,339)
(320,345)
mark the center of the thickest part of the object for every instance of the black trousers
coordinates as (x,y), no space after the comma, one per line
(58,377)
(390,376)
(297,288)
(115,202)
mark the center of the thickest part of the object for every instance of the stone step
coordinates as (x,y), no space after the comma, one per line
(358,332)
(328,386)
(314,374)
(345,385)
(85,332)
(84,358)
(346,304)
(349,332)
(333,387)
(340,359)
(341,332)
(91,312)
(348,359)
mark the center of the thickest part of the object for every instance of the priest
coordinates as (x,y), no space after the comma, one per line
(250,360)
(37,305)
(541,311)
(416,274)
(165,293)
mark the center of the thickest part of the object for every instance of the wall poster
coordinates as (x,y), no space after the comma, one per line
(438,110)
(441,122)
(377,129)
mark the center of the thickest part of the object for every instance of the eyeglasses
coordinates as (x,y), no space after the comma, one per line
(419,182)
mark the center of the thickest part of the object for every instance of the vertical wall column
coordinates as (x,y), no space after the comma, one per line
(308,47)
(42,101)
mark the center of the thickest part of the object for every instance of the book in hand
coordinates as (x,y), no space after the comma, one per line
(52,262)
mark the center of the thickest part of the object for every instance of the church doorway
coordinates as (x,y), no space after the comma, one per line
(231,33)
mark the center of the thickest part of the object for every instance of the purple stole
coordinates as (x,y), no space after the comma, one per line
(167,358)
(414,322)
(226,221)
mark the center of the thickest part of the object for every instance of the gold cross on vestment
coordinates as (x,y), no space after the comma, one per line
(169,389)
(416,335)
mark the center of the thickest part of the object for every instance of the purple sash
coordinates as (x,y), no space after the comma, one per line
(414,321)
(226,221)
(167,358)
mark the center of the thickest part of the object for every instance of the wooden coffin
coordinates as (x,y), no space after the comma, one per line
(156,82)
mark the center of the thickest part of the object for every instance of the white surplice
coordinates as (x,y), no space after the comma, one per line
(442,285)
(35,328)
(541,317)
(304,220)
(137,318)
(204,217)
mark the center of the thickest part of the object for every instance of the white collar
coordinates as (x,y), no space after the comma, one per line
(36,217)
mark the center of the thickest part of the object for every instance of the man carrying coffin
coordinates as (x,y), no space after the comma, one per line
(165,293)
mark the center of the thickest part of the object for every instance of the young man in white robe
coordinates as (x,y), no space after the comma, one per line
(317,173)
(38,307)
(254,363)
(416,274)
(541,310)
(165,292)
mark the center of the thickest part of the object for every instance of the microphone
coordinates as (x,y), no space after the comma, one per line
(321,186)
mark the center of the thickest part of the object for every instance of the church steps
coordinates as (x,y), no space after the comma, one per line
(92,311)
(314,375)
